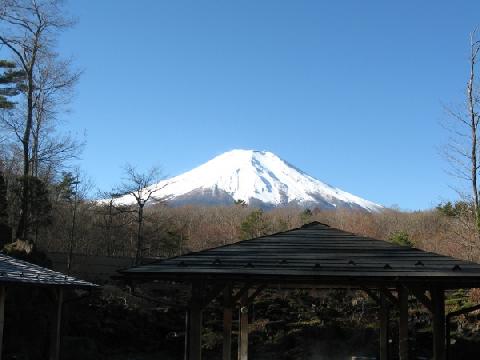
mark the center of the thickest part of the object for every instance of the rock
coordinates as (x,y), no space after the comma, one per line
(23,246)
(26,250)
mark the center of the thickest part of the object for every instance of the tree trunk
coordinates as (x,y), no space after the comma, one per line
(473,125)
(23,226)
(72,236)
(138,254)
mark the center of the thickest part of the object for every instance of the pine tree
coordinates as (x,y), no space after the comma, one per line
(401,238)
(68,189)
(254,225)
(240,202)
(40,209)
(11,83)
(306,216)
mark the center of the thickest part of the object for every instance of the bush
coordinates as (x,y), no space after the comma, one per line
(401,238)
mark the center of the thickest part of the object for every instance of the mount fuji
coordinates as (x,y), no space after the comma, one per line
(260,178)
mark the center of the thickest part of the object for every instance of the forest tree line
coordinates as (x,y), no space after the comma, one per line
(103,229)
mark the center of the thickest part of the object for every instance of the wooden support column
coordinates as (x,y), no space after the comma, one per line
(186,347)
(384,320)
(438,305)
(56,333)
(3,293)
(193,331)
(227,322)
(243,328)
(403,323)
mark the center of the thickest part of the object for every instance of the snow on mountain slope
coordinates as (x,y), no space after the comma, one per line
(258,177)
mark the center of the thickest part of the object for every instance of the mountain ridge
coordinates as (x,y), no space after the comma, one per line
(260,178)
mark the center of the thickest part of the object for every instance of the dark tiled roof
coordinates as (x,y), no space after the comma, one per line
(18,271)
(315,253)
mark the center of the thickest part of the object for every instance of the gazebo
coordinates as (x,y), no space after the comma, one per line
(15,272)
(313,256)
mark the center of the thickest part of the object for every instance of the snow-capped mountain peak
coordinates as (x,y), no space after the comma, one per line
(259,178)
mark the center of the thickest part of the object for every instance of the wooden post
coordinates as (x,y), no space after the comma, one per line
(3,293)
(194,324)
(227,322)
(56,334)
(194,333)
(403,323)
(187,337)
(448,339)
(438,304)
(384,320)
(243,328)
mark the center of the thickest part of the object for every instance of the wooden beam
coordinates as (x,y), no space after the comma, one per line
(227,322)
(3,293)
(384,320)
(403,323)
(438,302)
(243,328)
(194,324)
(56,332)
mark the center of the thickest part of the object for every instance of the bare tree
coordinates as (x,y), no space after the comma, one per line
(462,150)
(139,188)
(106,213)
(55,82)
(28,29)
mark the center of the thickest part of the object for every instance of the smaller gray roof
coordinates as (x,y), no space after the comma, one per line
(15,271)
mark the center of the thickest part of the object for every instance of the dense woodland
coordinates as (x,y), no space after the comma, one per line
(105,230)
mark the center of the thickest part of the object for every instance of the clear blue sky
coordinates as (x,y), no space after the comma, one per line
(349,91)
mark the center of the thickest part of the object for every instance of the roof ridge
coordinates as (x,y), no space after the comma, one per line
(313,223)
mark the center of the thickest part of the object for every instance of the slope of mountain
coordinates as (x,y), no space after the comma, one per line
(260,178)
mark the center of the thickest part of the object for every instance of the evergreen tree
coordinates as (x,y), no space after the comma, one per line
(401,238)
(456,209)
(240,203)
(254,225)
(68,190)
(306,216)
(40,209)
(11,83)
(172,242)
